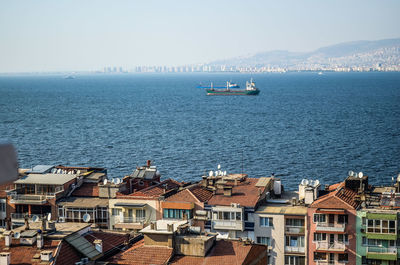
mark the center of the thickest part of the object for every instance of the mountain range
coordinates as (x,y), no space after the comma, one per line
(350,54)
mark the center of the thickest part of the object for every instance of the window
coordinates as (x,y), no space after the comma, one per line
(178,214)
(266,222)
(319,237)
(364,221)
(381,226)
(343,257)
(140,214)
(2,206)
(116,211)
(295,222)
(364,241)
(319,218)
(263,240)
(294,241)
(343,219)
(319,256)
(374,242)
(343,238)
(294,260)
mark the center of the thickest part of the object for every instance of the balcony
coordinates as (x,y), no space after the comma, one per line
(330,227)
(382,253)
(294,230)
(330,262)
(37,199)
(330,247)
(129,222)
(228,224)
(20,217)
(294,249)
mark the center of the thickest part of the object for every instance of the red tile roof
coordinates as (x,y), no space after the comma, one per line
(110,240)
(192,194)
(67,254)
(139,254)
(25,254)
(245,193)
(4,187)
(340,197)
(87,190)
(156,190)
(226,252)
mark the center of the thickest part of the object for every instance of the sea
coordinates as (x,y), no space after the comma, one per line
(301,125)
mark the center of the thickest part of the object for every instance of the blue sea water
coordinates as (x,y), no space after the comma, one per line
(302,125)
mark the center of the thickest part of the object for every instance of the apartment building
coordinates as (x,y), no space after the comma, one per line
(331,222)
(234,201)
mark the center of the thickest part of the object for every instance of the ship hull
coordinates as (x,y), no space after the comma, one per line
(213,92)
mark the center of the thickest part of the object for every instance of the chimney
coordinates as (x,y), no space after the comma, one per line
(7,238)
(153,225)
(148,163)
(39,241)
(227,191)
(98,244)
(46,255)
(170,227)
(52,226)
(5,258)
(26,223)
(43,225)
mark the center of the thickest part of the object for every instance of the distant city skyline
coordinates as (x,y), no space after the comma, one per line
(77,36)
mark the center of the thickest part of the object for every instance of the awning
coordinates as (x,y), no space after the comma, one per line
(132,205)
(331,211)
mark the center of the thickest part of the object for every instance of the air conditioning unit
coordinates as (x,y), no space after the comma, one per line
(362,230)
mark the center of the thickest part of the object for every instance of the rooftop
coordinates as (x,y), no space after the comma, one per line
(46,179)
(140,254)
(156,190)
(87,190)
(246,193)
(191,194)
(84,202)
(226,252)
(339,197)
(62,229)
(162,227)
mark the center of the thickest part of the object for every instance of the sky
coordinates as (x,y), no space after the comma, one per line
(76,35)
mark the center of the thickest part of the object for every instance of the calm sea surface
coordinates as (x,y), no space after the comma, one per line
(302,125)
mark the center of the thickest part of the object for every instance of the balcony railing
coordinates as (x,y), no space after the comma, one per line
(384,250)
(128,220)
(227,224)
(294,249)
(294,229)
(29,199)
(331,246)
(329,227)
(21,216)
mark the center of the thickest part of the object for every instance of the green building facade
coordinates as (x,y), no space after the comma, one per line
(377,234)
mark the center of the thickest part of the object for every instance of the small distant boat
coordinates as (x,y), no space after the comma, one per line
(69,77)
(251,90)
(320,73)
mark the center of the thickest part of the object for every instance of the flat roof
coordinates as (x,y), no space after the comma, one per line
(285,209)
(162,227)
(62,229)
(84,202)
(46,179)
(133,205)
(40,169)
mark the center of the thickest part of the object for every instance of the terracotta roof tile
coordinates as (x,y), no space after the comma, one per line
(245,193)
(67,255)
(339,197)
(87,190)
(224,252)
(110,240)
(158,189)
(25,254)
(201,193)
(139,254)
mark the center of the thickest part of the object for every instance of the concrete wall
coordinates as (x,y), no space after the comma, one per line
(159,240)
(276,233)
(193,245)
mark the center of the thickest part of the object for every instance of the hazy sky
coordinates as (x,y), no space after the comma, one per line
(59,35)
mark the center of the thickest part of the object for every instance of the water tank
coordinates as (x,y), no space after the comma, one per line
(277,187)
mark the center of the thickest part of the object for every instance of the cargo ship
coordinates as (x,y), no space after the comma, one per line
(250,90)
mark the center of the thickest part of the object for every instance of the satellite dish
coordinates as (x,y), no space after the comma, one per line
(117,181)
(211,173)
(17,235)
(35,218)
(225,173)
(360,175)
(215,173)
(86,218)
(59,171)
(398,177)
(78,172)
(311,183)
(105,181)
(351,173)
(49,217)
(316,183)
(304,182)
(219,166)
